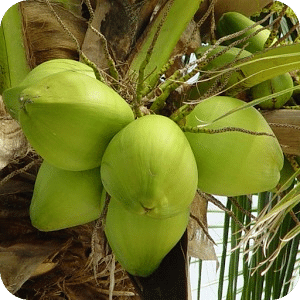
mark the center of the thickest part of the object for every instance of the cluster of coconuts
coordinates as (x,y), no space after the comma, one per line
(232,22)
(93,146)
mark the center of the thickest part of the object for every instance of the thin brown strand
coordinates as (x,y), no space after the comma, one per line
(275,28)
(294,217)
(283,38)
(203,227)
(100,223)
(90,9)
(296,127)
(223,130)
(19,171)
(112,277)
(244,211)
(141,77)
(112,67)
(207,13)
(219,204)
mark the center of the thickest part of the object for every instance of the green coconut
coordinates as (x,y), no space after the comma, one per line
(140,242)
(234,163)
(286,174)
(149,167)
(274,85)
(69,119)
(11,96)
(63,199)
(232,22)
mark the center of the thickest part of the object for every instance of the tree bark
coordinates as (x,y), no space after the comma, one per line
(284,122)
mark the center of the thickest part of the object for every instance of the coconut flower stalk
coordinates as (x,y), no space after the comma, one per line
(153,53)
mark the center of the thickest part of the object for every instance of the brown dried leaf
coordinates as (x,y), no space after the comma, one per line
(200,244)
(84,291)
(20,261)
(92,46)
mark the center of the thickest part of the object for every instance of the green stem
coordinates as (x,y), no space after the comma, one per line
(13,60)
(199,280)
(280,263)
(224,252)
(170,19)
(290,265)
(181,113)
(246,269)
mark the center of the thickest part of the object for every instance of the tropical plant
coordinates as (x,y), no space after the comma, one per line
(162,59)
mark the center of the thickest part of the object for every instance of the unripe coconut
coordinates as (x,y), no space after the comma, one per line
(11,96)
(63,199)
(54,66)
(286,173)
(234,163)
(232,22)
(69,119)
(274,85)
(140,242)
(149,167)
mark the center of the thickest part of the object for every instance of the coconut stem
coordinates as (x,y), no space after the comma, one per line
(14,65)
(145,62)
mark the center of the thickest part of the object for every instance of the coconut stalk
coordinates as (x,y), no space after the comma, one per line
(13,59)
(153,52)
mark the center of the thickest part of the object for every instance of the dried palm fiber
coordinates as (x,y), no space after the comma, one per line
(45,39)
(13,144)
(200,244)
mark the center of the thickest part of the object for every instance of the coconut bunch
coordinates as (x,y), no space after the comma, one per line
(232,22)
(93,146)
(71,119)
(138,172)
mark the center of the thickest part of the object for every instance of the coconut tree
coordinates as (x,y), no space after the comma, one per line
(179,109)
